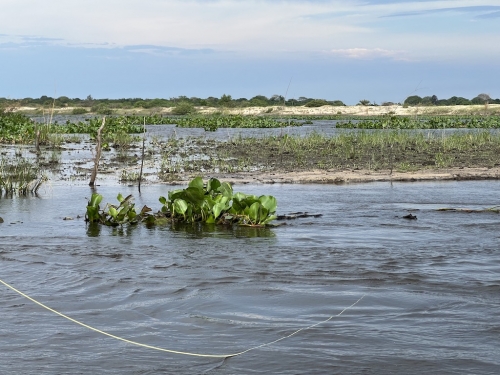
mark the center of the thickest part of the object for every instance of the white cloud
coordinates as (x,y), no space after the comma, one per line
(355,29)
(369,53)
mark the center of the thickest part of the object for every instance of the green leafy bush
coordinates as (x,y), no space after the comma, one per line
(102,109)
(183,108)
(317,103)
(79,111)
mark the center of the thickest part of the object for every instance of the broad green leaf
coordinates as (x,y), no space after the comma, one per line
(269,202)
(250,200)
(95,200)
(226,190)
(210,220)
(195,195)
(218,208)
(180,206)
(113,212)
(174,194)
(163,200)
(120,197)
(196,182)
(131,215)
(239,197)
(213,184)
(253,212)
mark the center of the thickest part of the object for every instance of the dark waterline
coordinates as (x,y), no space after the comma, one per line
(431,285)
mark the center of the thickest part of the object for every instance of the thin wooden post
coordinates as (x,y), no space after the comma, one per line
(142,158)
(97,153)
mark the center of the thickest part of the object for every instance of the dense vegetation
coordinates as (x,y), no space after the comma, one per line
(210,203)
(185,105)
(106,106)
(454,100)
(423,122)
(212,123)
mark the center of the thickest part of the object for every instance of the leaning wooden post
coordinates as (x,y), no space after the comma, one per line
(97,153)
(37,140)
(142,156)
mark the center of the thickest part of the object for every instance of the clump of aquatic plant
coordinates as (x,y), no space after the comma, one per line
(422,122)
(214,202)
(114,215)
(15,127)
(19,176)
(214,122)
(128,176)
(114,125)
(210,203)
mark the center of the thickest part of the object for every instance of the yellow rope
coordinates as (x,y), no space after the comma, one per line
(169,350)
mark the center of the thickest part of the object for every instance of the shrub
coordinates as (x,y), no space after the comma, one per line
(102,109)
(79,111)
(317,103)
(183,108)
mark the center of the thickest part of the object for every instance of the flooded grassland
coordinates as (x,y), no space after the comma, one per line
(430,277)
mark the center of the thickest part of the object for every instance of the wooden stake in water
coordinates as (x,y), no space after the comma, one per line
(142,157)
(97,153)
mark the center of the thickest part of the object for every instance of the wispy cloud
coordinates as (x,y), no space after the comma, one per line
(489,15)
(358,28)
(168,51)
(369,54)
(485,9)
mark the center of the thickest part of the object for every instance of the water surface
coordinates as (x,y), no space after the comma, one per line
(431,285)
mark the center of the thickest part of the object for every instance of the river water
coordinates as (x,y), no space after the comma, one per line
(431,286)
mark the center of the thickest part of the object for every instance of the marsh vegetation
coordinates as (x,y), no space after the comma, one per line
(386,143)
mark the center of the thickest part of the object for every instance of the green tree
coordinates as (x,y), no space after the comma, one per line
(226,101)
(413,100)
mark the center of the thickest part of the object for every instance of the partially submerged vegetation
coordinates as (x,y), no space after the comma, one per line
(386,143)
(19,177)
(212,123)
(364,150)
(423,122)
(210,203)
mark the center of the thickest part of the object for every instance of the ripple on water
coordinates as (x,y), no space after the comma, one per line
(431,286)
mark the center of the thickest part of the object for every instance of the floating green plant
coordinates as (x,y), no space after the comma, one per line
(214,122)
(210,203)
(114,215)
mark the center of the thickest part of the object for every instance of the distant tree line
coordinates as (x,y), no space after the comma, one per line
(454,100)
(223,101)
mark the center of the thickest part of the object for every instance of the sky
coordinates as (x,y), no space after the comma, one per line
(349,50)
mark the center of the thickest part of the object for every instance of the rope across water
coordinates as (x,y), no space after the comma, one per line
(170,350)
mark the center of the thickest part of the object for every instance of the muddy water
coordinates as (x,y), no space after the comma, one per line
(431,285)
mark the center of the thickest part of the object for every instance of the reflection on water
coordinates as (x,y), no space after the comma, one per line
(431,284)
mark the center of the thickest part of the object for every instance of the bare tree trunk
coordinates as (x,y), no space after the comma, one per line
(97,153)
(142,157)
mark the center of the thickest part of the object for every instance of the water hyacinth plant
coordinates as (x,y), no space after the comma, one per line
(114,215)
(216,203)
(210,203)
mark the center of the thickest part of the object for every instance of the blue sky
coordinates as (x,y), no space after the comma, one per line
(380,50)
